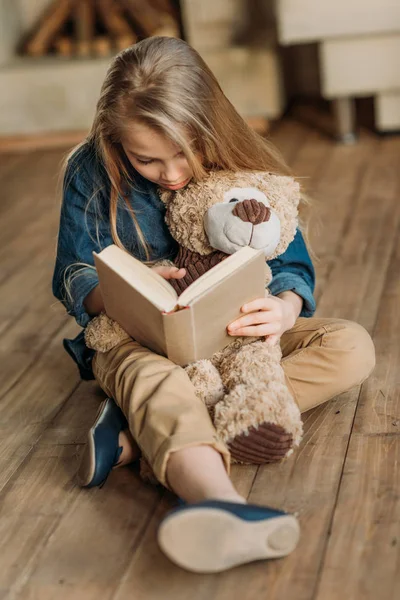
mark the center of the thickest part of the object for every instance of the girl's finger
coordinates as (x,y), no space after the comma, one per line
(178,274)
(170,272)
(253,319)
(256,330)
(259,304)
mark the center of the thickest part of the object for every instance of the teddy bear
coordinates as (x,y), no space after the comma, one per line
(243,385)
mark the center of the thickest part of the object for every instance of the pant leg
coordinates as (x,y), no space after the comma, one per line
(325,357)
(158,399)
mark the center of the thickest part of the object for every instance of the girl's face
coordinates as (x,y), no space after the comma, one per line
(156,158)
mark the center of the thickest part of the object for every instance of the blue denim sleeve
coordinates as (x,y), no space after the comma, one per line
(83,229)
(293,270)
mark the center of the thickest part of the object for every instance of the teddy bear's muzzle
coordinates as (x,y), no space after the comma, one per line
(252,211)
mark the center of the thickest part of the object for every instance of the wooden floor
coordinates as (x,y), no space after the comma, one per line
(58,541)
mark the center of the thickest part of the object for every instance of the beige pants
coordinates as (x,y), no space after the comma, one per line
(321,358)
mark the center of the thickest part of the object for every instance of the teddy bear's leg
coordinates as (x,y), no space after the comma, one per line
(259,423)
(207,381)
(258,418)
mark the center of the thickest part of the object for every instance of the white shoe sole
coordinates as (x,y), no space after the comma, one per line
(209,540)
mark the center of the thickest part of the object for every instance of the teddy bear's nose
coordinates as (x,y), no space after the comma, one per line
(252,211)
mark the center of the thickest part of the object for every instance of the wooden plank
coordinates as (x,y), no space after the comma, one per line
(166,6)
(87,553)
(9,163)
(366,524)
(330,218)
(70,427)
(150,21)
(288,136)
(27,188)
(309,164)
(49,25)
(29,224)
(64,46)
(27,519)
(101,45)
(16,445)
(115,23)
(16,288)
(27,335)
(33,204)
(84,26)
(29,243)
(12,183)
(45,141)
(379,407)
(41,389)
(75,418)
(28,408)
(359,273)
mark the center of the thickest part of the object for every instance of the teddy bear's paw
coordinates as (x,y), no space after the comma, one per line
(266,443)
(247,408)
(103,334)
(164,262)
(207,381)
(252,364)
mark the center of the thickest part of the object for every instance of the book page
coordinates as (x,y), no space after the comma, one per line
(139,276)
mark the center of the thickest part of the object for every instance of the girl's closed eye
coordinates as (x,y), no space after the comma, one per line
(149,161)
(145,162)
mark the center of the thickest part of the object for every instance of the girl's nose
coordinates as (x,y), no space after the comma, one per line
(172,174)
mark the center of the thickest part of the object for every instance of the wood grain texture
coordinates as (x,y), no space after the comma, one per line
(59,541)
(48,27)
(366,525)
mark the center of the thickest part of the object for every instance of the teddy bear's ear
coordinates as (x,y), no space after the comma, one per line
(283,193)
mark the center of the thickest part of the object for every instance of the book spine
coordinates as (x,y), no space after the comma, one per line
(180,336)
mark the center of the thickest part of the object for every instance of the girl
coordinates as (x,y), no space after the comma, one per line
(161,121)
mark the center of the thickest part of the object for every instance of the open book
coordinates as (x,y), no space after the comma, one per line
(184,328)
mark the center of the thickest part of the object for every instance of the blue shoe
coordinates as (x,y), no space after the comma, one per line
(102,451)
(214,535)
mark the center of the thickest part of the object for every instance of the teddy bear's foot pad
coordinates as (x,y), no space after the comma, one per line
(263,444)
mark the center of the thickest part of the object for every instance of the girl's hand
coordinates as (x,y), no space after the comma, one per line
(170,272)
(274,316)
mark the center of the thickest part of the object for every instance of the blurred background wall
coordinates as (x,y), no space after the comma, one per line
(264,53)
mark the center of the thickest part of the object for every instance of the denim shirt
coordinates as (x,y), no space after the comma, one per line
(85,228)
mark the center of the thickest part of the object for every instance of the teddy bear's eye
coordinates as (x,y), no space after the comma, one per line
(233,200)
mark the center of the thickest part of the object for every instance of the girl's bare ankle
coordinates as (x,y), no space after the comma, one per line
(130,450)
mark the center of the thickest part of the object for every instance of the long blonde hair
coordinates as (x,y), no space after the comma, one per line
(164,83)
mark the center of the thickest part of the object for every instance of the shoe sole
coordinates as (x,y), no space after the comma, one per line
(87,465)
(210,540)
